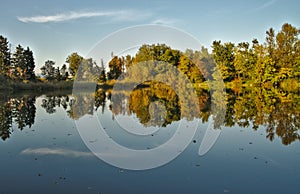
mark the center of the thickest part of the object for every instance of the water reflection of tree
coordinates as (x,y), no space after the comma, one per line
(141,100)
(5,120)
(157,104)
(49,103)
(277,110)
(20,111)
(86,103)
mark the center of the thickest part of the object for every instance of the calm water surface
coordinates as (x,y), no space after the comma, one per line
(258,150)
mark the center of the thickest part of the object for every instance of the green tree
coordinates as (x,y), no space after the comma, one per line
(244,61)
(23,64)
(48,70)
(146,53)
(159,52)
(223,55)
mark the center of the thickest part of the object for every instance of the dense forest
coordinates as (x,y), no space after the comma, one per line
(273,63)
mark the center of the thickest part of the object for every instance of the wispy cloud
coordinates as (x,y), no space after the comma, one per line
(123,15)
(265,5)
(61,152)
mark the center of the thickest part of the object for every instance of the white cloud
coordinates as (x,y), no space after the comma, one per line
(61,152)
(123,15)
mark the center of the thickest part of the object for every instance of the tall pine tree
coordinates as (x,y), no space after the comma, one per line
(4,56)
(18,63)
(28,70)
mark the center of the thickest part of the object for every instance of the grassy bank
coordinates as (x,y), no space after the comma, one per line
(35,86)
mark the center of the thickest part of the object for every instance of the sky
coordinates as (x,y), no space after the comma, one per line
(55,29)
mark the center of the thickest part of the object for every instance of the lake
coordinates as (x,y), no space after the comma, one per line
(51,144)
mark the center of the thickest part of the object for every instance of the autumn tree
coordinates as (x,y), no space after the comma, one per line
(74,60)
(116,67)
(288,46)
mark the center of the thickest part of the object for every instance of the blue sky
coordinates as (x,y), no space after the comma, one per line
(54,29)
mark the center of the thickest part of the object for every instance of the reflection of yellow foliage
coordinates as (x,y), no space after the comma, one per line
(141,99)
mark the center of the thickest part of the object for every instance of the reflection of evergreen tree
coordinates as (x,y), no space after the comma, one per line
(24,112)
(5,120)
(18,110)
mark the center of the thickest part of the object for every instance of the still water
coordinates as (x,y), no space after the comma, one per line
(42,150)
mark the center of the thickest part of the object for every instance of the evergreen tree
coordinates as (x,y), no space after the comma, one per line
(4,56)
(18,63)
(28,71)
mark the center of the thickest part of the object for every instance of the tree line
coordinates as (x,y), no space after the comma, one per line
(265,64)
